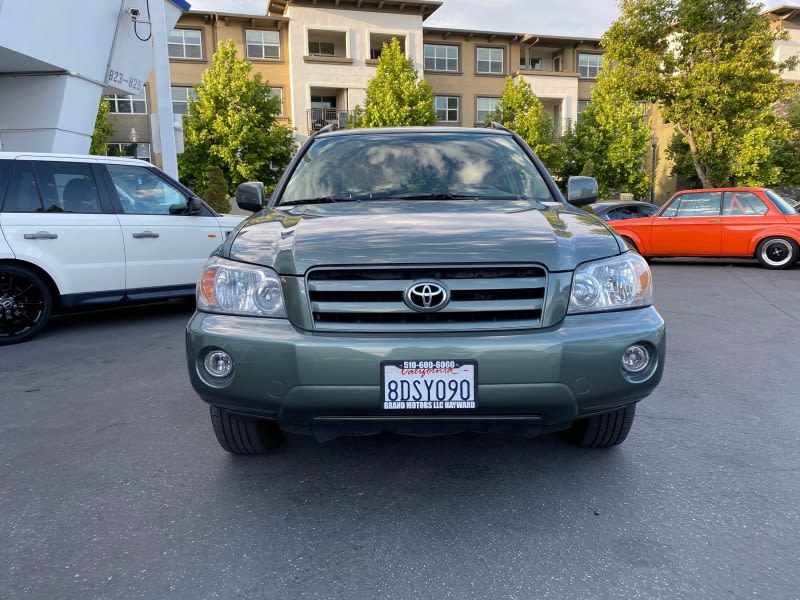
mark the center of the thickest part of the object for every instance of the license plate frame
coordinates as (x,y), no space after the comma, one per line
(429,385)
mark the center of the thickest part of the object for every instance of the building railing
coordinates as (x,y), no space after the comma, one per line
(562,126)
(320,117)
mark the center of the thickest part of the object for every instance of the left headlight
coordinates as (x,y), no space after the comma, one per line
(234,288)
(611,284)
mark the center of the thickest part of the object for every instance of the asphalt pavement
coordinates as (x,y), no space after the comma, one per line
(112,485)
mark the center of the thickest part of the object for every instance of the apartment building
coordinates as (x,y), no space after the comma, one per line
(319,56)
(787,18)
(263,40)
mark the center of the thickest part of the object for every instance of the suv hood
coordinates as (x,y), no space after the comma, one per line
(293,239)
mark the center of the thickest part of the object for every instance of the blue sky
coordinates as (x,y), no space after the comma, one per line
(570,18)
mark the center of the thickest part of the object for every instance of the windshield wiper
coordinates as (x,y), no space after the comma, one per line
(436,196)
(323,200)
(449,196)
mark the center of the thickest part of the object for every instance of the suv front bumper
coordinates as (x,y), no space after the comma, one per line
(537,380)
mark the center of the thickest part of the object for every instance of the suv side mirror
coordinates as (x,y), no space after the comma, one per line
(250,196)
(581,190)
(195,206)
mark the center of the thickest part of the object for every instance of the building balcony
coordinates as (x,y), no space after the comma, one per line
(320,117)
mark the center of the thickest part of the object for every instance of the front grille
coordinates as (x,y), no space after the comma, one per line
(371,299)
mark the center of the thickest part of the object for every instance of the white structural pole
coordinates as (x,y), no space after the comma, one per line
(166,128)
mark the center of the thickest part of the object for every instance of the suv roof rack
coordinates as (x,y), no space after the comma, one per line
(328,128)
(496,125)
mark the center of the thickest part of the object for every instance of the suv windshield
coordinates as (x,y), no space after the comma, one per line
(414,166)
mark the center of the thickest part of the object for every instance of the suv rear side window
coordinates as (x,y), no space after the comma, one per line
(22,195)
(67,187)
(5,173)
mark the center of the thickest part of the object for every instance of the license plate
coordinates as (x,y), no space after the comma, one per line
(428,384)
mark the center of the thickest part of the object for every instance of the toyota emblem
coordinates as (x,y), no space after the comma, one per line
(427,296)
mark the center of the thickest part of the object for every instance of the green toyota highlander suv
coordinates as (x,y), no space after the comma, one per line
(420,281)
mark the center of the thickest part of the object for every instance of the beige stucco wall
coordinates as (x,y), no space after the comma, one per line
(347,77)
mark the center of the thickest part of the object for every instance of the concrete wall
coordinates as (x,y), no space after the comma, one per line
(53,69)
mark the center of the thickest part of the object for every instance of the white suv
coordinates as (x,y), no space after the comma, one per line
(78,232)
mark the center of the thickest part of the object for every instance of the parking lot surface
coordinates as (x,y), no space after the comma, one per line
(113,486)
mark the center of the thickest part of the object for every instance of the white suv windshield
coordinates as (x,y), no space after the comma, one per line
(380,166)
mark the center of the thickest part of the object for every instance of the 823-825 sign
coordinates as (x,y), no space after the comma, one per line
(428,385)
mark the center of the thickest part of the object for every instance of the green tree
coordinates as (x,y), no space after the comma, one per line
(216,193)
(396,96)
(786,149)
(710,67)
(233,125)
(611,141)
(102,130)
(521,111)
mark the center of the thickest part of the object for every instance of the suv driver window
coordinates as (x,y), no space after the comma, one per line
(142,192)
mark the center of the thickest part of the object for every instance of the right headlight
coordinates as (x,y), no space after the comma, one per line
(233,288)
(611,284)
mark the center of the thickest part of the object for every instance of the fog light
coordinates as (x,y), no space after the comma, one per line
(636,359)
(218,363)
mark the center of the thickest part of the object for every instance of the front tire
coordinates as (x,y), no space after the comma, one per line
(603,431)
(776,253)
(245,436)
(25,304)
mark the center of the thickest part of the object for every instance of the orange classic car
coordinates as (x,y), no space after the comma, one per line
(720,222)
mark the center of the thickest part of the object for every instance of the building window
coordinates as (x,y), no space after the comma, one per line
(531,63)
(180,99)
(126,105)
(589,65)
(582,104)
(321,48)
(324,42)
(263,44)
(185,43)
(377,40)
(556,64)
(277,93)
(490,60)
(440,57)
(447,108)
(139,150)
(484,107)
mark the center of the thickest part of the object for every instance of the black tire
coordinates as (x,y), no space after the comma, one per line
(776,253)
(25,304)
(243,435)
(603,431)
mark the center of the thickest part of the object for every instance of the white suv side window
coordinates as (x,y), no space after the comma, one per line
(142,192)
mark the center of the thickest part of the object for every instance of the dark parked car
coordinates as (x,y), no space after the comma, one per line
(619,210)
(422,280)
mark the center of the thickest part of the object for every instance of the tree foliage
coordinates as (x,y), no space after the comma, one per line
(233,125)
(396,96)
(786,149)
(611,141)
(710,67)
(217,190)
(102,129)
(521,111)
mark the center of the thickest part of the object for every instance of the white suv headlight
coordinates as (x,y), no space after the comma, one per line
(611,284)
(237,289)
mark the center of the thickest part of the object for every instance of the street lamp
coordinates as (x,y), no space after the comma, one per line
(133,138)
(654,144)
